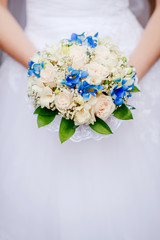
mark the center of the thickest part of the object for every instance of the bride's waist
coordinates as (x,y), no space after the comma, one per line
(120,26)
(57,28)
(52,23)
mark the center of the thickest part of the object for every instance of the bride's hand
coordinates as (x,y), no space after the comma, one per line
(12,37)
(148,50)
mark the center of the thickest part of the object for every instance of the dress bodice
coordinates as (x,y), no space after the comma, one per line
(56,19)
(73,8)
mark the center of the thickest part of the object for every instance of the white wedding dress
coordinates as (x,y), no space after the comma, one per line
(90,190)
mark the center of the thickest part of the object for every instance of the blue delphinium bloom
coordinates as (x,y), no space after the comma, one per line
(77,38)
(74,77)
(85,89)
(82,40)
(119,92)
(35,68)
(92,41)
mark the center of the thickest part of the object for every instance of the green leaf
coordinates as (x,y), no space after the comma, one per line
(135,89)
(45,112)
(130,107)
(44,120)
(66,129)
(124,59)
(101,127)
(45,116)
(130,72)
(106,82)
(123,113)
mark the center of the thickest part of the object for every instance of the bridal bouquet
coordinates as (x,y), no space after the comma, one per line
(84,79)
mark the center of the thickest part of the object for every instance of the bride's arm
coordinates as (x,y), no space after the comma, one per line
(12,38)
(148,50)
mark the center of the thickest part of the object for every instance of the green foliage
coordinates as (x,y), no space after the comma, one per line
(66,129)
(44,120)
(45,116)
(123,113)
(135,89)
(101,127)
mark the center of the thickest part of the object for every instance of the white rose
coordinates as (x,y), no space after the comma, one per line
(46,96)
(78,56)
(54,51)
(46,72)
(37,89)
(112,61)
(104,106)
(101,54)
(93,79)
(82,117)
(85,114)
(97,72)
(50,75)
(33,82)
(63,100)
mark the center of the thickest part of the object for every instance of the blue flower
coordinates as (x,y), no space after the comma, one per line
(35,68)
(74,77)
(92,42)
(82,40)
(77,38)
(86,89)
(119,92)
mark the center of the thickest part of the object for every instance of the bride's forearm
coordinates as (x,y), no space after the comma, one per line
(148,50)
(12,38)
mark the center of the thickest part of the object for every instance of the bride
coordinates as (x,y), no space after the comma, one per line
(107,189)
